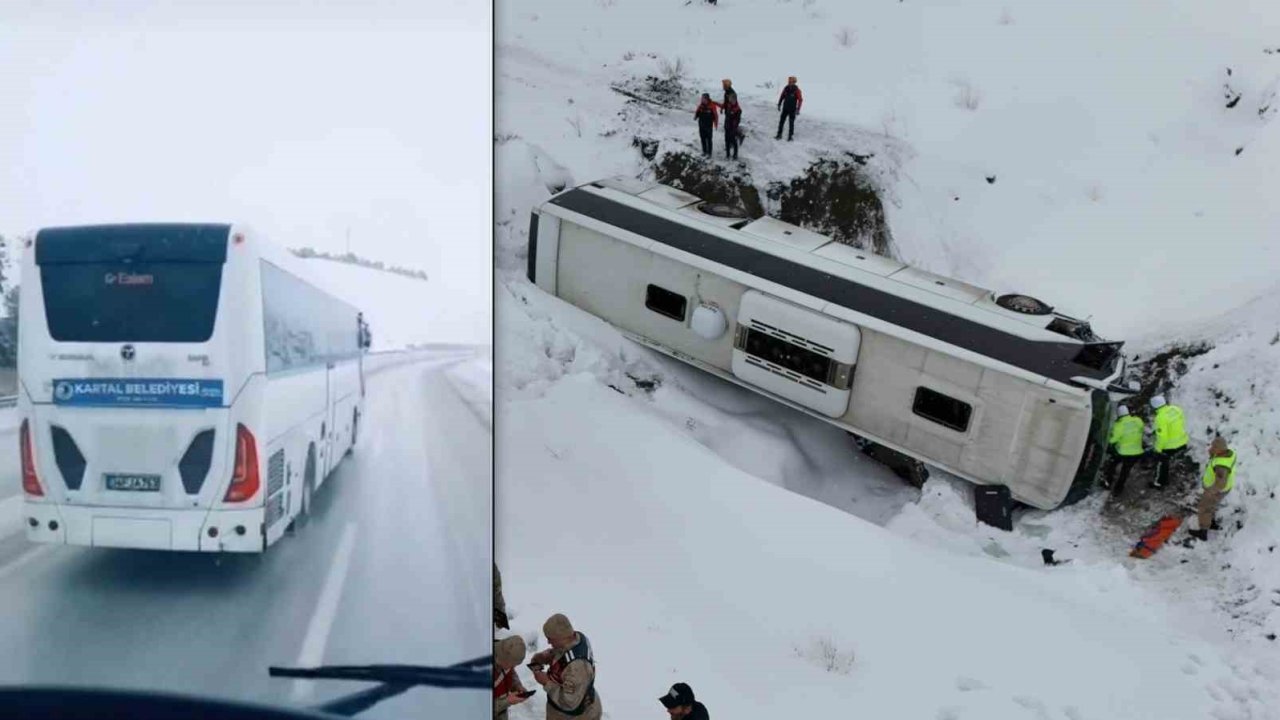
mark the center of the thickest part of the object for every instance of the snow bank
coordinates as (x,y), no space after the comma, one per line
(473,381)
(682,568)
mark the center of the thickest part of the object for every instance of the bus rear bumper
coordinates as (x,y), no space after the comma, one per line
(143,529)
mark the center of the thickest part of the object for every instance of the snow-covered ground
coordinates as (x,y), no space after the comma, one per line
(474,382)
(646,500)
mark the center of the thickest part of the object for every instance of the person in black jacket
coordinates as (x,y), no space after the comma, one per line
(789,103)
(732,118)
(680,703)
(708,117)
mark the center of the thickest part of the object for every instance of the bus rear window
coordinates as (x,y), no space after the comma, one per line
(131,301)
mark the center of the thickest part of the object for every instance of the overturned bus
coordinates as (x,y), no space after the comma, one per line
(996,388)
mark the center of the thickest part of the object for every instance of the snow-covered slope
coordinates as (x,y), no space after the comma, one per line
(1118,192)
(400,310)
(681,568)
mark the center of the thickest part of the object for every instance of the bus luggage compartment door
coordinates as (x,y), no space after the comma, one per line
(796,353)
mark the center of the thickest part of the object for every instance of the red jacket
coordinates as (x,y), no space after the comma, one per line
(797,98)
(708,106)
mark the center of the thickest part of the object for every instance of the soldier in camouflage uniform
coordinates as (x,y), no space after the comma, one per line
(570,672)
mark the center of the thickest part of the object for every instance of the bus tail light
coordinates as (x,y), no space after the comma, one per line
(30,483)
(244,481)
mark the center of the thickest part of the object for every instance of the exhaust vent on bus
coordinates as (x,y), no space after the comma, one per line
(195,462)
(71,462)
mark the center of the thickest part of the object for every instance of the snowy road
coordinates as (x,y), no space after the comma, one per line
(393,567)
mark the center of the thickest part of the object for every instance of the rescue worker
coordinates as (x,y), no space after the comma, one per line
(732,118)
(1218,479)
(507,689)
(570,675)
(789,103)
(1126,449)
(1171,437)
(499,603)
(729,92)
(680,703)
(708,116)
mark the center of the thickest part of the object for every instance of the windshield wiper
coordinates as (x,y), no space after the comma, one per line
(393,680)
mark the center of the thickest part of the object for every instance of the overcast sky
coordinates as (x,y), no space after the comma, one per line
(302,122)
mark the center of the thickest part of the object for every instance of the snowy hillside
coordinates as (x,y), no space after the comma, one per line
(401,310)
(1083,153)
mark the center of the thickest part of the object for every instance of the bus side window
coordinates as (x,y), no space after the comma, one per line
(944,410)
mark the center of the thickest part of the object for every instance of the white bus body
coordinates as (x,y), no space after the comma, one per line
(181,387)
(995,389)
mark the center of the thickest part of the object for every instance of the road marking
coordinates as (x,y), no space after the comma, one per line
(24,559)
(11,516)
(326,610)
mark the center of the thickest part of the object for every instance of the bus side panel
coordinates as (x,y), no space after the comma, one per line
(609,278)
(1051,444)
(344,386)
(294,409)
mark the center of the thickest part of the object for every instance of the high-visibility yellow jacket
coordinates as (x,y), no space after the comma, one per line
(1171,428)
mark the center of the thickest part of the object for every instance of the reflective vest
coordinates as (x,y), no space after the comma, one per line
(1171,429)
(1228,462)
(581,651)
(1126,436)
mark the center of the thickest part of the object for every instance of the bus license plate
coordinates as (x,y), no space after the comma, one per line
(133,483)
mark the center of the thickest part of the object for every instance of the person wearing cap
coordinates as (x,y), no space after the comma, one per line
(1218,479)
(569,677)
(708,117)
(1126,449)
(729,92)
(507,690)
(680,703)
(789,103)
(1171,437)
(732,126)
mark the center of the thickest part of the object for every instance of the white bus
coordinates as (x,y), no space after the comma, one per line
(181,387)
(996,388)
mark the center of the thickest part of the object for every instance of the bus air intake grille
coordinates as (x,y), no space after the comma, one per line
(275,472)
(784,373)
(70,460)
(195,462)
(275,509)
(792,338)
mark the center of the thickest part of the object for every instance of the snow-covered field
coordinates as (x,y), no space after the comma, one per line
(400,310)
(650,503)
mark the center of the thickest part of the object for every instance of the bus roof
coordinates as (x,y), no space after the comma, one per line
(155,242)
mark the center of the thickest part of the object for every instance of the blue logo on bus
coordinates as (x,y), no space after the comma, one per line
(138,392)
